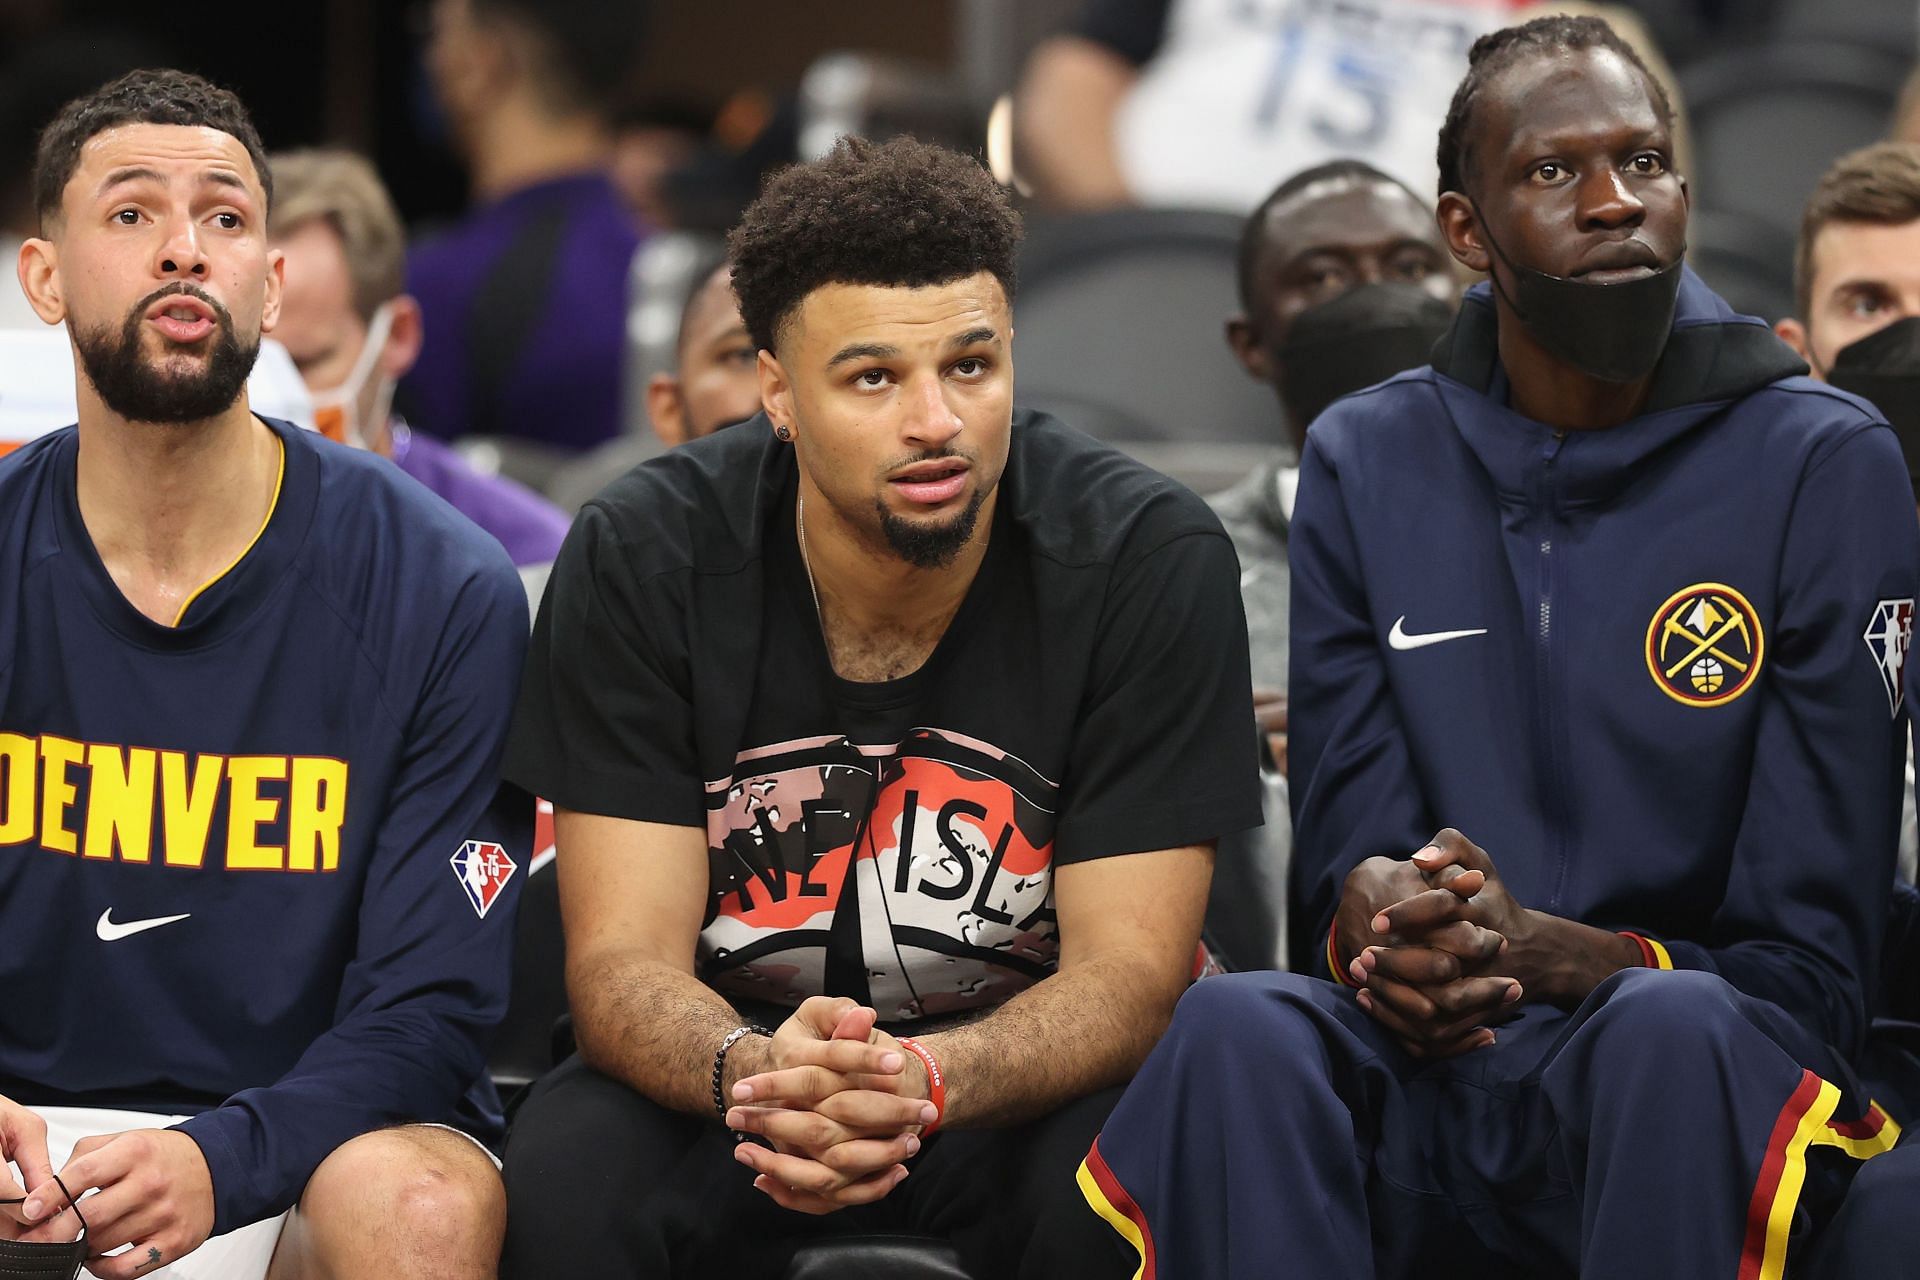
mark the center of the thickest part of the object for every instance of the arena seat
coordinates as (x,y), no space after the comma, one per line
(1768,120)
(1884,24)
(1205,467)
(1747,261)
(1127,308)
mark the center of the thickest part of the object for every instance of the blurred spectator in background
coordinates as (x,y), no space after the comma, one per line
(716,381)
(354,333)
(1344,282)
(1857,284)
(526,300)
(653,140)
(1205,102)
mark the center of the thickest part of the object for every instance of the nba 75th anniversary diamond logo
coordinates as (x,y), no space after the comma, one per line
(1889,633)
(483,869)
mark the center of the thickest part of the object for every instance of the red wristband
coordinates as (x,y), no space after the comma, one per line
(1340,975)
(1646,952)
(936,1083)
(1653,953)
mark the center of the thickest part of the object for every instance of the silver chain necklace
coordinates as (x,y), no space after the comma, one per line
(800,519)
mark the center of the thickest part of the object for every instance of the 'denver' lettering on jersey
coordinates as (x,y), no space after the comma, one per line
(172,808)
(927,868)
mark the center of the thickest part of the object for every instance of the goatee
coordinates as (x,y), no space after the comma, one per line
(144,390)
(931,546)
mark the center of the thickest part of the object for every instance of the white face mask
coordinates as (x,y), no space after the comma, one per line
(336,411)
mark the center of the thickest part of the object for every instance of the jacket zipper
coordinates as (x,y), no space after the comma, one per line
(1553,798)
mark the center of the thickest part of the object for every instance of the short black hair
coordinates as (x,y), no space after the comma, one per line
(900,212)
(592,47)
(138,97)
(1253,235)
(1496,51)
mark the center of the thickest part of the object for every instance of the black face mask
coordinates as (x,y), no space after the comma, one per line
(52,1260)
(1613,332)
(1364,336)
(1884,367)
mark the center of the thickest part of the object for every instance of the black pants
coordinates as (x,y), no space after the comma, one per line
(602,1182)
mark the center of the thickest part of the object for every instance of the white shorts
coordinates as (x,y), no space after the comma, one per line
(244,1254)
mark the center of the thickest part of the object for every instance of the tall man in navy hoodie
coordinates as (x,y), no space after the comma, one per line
(256,868)
(1619,594)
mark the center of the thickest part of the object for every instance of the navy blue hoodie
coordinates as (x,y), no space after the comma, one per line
(1673,703)
(257,867)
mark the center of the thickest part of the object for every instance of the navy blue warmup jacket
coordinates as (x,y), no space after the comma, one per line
(1653,670)
(256,868)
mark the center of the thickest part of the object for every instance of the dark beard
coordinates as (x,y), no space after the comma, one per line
(141,392)
(930,546)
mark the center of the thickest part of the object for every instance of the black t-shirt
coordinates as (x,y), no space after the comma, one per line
(1089,698)
(1134,29)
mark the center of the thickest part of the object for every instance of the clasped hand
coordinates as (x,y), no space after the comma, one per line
(1426,937)
(842,1103)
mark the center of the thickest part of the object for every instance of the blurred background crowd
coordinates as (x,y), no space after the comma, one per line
(517,276)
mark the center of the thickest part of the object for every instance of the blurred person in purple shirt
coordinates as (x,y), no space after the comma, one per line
(353,333)
(526,299)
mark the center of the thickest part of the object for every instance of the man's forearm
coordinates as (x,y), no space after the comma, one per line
(1064,124)
(657,1027)
(1076,1032)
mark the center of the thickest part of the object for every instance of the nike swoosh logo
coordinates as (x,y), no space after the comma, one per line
(111,932)
(1399,639)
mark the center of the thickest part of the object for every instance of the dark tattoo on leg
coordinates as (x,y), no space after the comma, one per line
(153,1258)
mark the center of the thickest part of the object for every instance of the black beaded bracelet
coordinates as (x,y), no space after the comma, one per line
(720,1062)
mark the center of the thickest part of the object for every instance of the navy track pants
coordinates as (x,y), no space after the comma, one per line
(1670,1126)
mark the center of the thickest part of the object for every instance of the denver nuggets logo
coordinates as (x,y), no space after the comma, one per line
(1704,645)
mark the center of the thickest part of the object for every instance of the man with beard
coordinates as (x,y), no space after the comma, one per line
(253,692)
(1344,282)
(1594,588)
(894,705)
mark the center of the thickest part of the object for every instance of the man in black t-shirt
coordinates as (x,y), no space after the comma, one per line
(893,707)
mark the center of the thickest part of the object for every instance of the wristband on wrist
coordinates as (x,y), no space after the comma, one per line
(1652,954)
(1340,975)
(936,1083)
(720,1065)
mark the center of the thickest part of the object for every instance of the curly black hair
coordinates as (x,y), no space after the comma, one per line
(138,97)
(900,212)
(1497,50)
